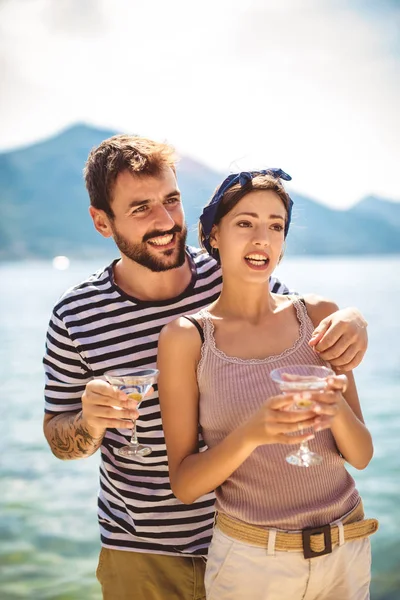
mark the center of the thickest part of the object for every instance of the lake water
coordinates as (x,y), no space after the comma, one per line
(48,527)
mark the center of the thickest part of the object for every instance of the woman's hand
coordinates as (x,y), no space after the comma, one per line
(278,418)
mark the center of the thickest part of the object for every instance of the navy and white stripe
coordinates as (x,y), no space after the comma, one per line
(96,327)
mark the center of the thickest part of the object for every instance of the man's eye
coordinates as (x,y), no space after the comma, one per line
(140,209)
(172,200)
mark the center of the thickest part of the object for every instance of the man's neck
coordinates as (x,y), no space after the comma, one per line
(143,284)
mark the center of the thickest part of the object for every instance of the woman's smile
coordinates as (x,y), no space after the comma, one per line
(257,261)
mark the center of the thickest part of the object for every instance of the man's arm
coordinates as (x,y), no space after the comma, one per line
(78,435)
(341,338)
(78,407)
(68,437)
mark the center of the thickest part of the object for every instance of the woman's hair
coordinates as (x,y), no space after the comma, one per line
(140,156)
(235,193)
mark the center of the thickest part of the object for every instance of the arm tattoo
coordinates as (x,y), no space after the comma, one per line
(69,439)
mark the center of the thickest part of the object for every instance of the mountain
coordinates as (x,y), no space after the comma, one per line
(366,228)
(378,208)
(44,206)
(43,201)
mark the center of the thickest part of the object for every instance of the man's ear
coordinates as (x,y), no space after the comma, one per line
(101,221)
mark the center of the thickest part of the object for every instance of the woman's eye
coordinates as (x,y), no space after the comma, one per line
(277,227)
(244,224)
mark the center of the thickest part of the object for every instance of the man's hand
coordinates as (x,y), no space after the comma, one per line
(104,406)
(341,338)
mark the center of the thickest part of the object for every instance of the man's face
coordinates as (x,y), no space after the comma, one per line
(149,223)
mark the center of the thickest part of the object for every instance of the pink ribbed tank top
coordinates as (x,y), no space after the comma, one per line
(265,490)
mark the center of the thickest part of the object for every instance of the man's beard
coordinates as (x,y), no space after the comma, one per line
(141,254)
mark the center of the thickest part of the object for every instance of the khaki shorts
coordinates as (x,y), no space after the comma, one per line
(240,571)
(125,575)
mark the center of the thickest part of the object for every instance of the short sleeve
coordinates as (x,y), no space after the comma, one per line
(66,373)
(277,287)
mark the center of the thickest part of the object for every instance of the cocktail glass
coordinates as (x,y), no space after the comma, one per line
(296,379)
(135,383)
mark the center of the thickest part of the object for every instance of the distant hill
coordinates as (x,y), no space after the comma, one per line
(44,206)
(364,229)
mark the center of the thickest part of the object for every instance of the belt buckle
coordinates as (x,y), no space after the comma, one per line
(306,535)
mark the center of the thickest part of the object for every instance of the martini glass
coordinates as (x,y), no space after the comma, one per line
(135,383)
(296,379)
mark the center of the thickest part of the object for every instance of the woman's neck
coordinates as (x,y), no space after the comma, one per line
(247,301)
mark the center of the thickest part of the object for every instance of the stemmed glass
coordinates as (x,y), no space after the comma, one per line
(296,379)
(135,383)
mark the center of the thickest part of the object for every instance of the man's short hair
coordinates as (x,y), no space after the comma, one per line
(138,155)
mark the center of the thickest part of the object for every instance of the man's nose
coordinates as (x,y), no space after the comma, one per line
(163,219)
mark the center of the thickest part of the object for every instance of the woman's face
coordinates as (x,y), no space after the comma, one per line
(250,237)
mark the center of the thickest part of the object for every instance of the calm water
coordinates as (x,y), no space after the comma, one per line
(48,527)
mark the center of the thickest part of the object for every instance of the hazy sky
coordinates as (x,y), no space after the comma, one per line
(312,86)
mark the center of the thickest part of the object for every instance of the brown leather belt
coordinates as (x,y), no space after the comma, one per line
(313,541)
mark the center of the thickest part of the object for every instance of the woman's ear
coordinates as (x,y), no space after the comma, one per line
(214,237)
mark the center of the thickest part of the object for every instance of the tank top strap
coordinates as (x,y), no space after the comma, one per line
(208,326)
(197,325)
(306,325)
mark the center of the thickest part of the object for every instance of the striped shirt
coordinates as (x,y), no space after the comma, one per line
(96,327)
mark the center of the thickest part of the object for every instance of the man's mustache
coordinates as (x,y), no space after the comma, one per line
(156,233)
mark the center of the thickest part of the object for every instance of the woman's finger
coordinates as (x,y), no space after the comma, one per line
(326,397)
(301,426)
(290,440)
(337,383)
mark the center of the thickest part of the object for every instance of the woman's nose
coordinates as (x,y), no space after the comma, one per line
(261,237)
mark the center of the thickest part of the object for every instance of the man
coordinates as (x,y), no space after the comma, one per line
(153,546)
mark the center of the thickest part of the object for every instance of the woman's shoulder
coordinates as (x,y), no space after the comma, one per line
(182,330)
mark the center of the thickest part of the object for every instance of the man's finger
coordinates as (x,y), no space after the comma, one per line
(116,423)
(344,358)
(338,349)
(330,337)
(99,386)
(352,364)
(113,397)
(319,331)
(103,388)
(110,412)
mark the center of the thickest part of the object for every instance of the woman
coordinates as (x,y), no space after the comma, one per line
(214,370)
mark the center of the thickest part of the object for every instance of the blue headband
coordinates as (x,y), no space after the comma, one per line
(209,213)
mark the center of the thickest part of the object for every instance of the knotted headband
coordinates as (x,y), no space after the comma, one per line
(209,213)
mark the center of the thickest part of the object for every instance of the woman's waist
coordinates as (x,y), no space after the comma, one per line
(312,541)
(285,505)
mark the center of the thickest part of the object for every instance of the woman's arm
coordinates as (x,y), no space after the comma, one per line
(351,435)
(193,473)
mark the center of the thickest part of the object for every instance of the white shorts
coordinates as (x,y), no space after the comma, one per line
(239,571)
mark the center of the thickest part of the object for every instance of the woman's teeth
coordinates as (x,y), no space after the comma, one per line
(161,240)
(256,259)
